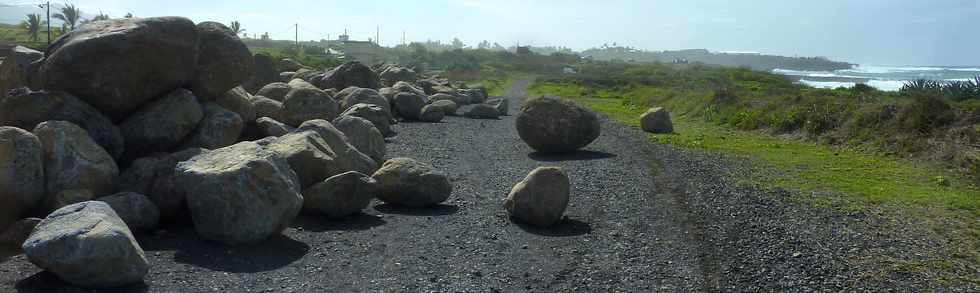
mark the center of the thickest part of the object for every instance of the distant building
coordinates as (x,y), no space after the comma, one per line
(524,50)
(367,52)
(568,70)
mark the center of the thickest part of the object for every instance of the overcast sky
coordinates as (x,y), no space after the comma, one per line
(880,32)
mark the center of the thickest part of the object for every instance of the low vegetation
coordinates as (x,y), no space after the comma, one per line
(902,155)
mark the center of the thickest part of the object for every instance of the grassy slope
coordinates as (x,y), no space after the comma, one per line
(943,202)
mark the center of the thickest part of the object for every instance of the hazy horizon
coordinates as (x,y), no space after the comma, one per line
(873,32)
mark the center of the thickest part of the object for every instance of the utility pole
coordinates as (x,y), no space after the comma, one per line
(48,6)
(403,38)
(377,36)
(297,36)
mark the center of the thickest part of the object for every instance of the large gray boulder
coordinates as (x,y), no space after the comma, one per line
(73,161)
(26,60)
(270,127)
(362,135)
(443,97)
(309,156)
(155,178)
(241,194)
(377,115)
(394,74)
(29,108)
(308,75)
(411,183)
(350,157)
(341,195)
(10,78)
(350,74)
(362,96)
(162,124)
(500,104)
(264,72)
(119,65)
(554,125)
(276,91)
(21,174)
(431,114)
(303,104)
(136,210)
(265,107)
(656,120)
(86,244)
(541,198)
(290,65)
(223,63)
(239,101)
(482,111)
(471,95)
(405,87)
(409,106)
(448,107)
(219,128)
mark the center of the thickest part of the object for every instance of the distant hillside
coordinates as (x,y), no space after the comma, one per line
(750,60)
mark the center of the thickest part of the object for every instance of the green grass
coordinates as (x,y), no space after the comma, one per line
(497,86)
(866,178)
(943,202)
(16,34)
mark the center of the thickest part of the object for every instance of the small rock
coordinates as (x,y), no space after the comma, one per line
(656,120)
(541,198)
(482,111)
(500,104)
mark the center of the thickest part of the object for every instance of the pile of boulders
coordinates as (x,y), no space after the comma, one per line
(129,124)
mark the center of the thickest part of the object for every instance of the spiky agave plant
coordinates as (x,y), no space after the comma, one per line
(958,90)
(920,86)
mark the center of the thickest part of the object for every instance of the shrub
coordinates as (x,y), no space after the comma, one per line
(926,113)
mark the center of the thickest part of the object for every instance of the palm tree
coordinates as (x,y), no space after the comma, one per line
(33,26)
(99,17)
(69,15)
(128,15)
(237,27)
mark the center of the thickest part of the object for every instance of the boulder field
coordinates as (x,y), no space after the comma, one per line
(130,125)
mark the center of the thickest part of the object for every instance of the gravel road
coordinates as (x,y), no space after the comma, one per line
(642,218)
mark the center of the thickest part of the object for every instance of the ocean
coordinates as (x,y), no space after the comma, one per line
(887,78)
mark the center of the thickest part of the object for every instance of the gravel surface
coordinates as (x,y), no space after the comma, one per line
(642,218)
